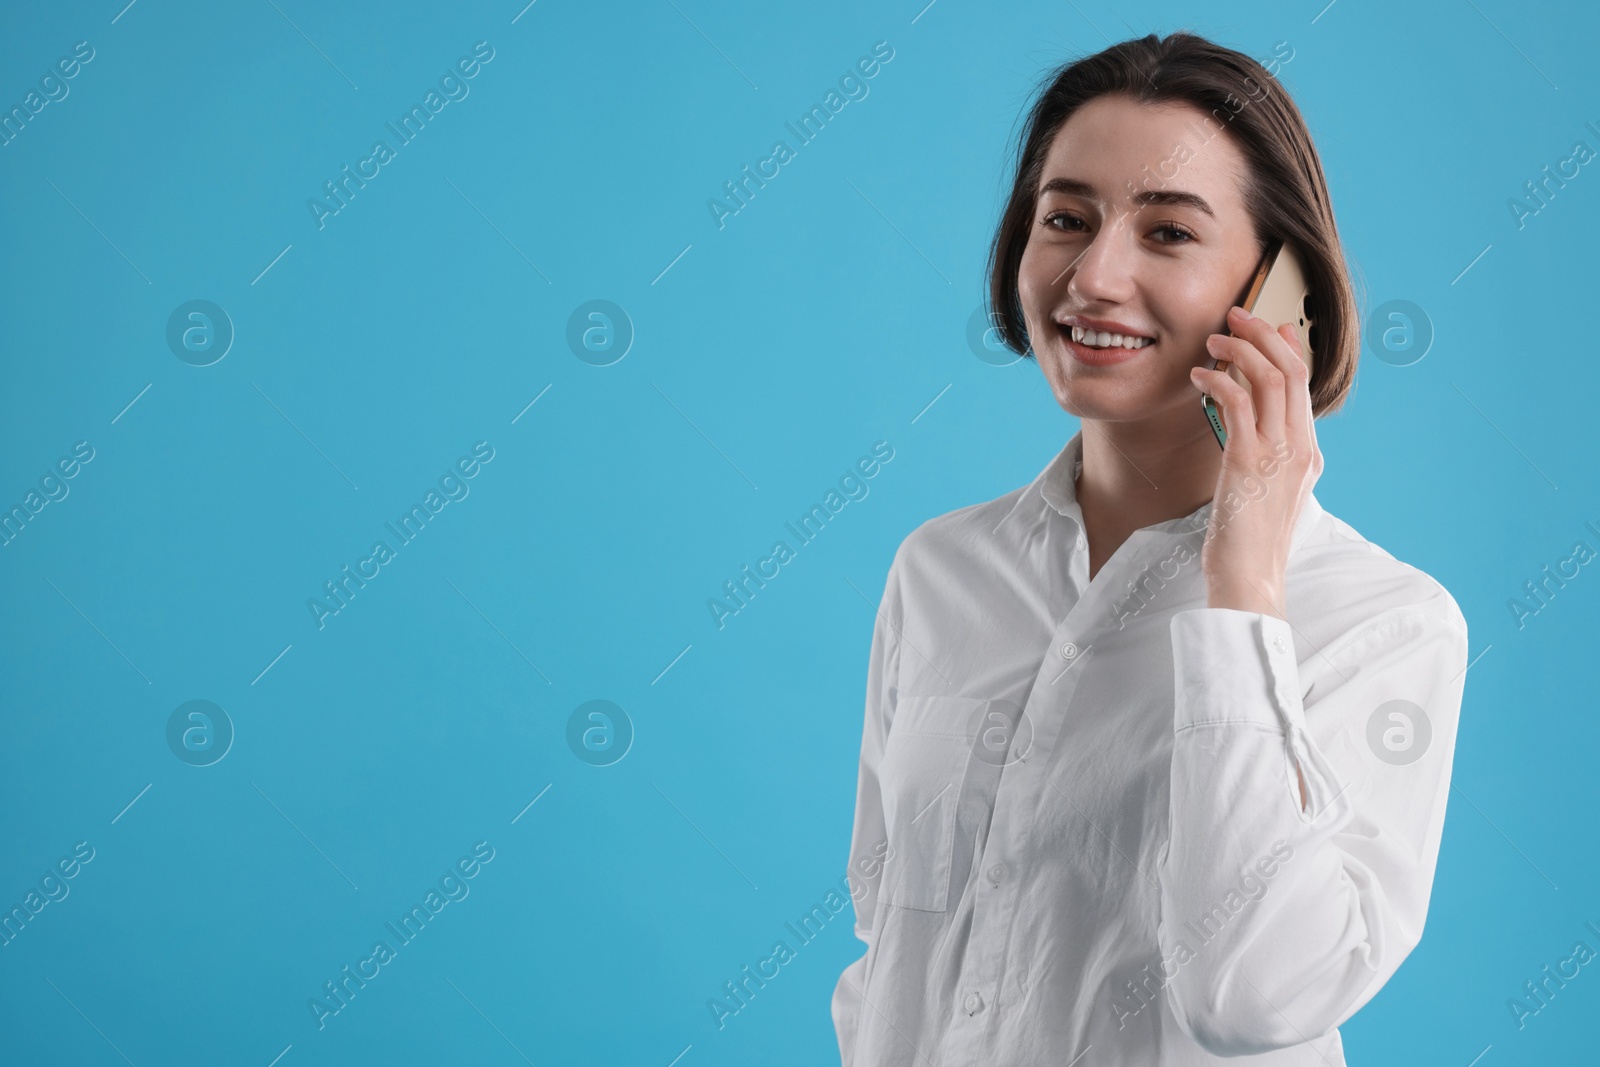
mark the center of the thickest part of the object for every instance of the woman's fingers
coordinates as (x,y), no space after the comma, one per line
(1263,356)
(1265,403)
(1297,416)
(1299,421)
(1234,400)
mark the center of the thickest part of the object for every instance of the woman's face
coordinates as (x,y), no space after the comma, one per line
(1140,228)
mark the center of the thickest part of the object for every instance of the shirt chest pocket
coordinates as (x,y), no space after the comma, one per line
(924,768)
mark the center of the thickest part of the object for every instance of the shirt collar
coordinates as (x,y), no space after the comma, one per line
(1056,485)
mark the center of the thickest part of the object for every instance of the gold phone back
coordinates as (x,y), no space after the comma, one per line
(1281,298)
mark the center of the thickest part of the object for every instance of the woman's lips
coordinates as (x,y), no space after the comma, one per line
(1099,357)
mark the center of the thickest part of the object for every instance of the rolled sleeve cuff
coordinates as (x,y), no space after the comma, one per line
(1232,666)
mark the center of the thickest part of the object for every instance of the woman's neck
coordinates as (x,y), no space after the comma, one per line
(1133,478)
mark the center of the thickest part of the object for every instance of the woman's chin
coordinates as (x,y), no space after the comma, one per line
(1118,401)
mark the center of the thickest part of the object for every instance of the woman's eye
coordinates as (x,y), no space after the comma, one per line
(1072,224)
(1174,235)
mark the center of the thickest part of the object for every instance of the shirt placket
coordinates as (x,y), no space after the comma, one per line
(982,992)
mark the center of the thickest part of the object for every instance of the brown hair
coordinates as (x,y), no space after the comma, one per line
(1286,193)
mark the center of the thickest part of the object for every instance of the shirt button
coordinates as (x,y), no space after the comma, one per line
(1278,643)
(1081,544)
(973,1004)
(1069,651)
(997,873)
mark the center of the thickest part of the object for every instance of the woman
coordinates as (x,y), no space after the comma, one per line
(1156,750)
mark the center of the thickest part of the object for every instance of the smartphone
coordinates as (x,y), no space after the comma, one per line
(1278,293)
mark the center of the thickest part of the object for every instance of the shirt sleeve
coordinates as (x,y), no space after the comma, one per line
(869,837)
(1278,923)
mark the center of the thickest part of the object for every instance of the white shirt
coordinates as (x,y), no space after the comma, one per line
(1078,827)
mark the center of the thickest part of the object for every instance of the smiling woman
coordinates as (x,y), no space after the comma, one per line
(1088,743)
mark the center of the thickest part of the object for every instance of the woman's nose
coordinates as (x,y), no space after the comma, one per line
(1104,273)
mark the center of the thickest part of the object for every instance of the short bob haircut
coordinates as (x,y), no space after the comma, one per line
(1286,193)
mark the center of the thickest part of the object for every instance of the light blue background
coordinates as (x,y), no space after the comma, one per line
(768,358)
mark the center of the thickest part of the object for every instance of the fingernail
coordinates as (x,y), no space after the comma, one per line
(1212,341)
(1240,313)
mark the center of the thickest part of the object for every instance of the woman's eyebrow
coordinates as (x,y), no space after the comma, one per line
(1069,187)
(1148,198)
(1174,198)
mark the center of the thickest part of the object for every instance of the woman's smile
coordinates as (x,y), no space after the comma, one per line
(1101,342)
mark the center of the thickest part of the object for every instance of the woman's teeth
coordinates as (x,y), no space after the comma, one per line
(1101,339)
